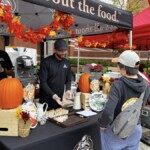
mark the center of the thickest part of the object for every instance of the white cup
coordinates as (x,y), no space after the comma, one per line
(77,102)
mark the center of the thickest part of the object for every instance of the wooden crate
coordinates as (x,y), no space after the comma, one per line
(8,122)
(85,106)
(84,97)
(113,69)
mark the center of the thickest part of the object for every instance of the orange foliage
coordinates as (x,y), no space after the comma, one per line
(61,21)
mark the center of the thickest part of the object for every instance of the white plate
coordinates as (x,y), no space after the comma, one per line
(97,101)
(86,113)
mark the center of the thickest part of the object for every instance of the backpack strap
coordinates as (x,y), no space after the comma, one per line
(140,99)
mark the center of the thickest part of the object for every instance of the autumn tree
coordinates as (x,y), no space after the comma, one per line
(135,6)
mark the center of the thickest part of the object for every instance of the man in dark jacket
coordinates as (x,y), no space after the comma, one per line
(6,67)
(55,73)
(123,92)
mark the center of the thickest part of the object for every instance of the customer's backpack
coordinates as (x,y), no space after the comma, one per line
(126,121)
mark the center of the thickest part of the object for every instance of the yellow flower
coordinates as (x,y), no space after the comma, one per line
(16,20)
(80,38)
(52,33)
(19,112)
(1,12)
(106,79)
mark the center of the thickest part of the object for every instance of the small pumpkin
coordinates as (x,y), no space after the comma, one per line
(11,93)
(84,83)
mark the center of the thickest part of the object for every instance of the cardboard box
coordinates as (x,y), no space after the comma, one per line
(84,97)
(8,122)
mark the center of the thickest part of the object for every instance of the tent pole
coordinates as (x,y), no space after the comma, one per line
(130,39)
(78,60)
(41,51)
(17,6)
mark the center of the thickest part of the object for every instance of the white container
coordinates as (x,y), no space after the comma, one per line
(40,110)
(77,102)
(73,91)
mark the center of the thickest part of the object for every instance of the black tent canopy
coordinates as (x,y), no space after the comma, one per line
(92,16)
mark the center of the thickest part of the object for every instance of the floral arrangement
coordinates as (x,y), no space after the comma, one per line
(106,79)
(61,21)
(95,67)
(106,84)
(21,114)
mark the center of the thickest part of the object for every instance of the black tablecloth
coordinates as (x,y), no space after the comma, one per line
(53,137)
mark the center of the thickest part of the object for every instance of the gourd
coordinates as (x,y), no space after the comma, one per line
(84,83)
(11,93)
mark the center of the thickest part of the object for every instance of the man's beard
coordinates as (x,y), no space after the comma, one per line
(60,56)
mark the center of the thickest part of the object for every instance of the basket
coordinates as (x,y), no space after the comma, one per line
(24,127)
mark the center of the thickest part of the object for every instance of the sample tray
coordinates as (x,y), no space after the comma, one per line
(73,119)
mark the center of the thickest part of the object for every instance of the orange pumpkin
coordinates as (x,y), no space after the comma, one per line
(84,83)
(11,93)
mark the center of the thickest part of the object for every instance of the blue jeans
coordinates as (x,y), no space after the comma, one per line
(109,141)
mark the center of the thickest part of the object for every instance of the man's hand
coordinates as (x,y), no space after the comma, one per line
(68,94)
(57,99)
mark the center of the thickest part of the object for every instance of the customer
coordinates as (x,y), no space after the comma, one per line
(55,73)
(123,92)
(6,67)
